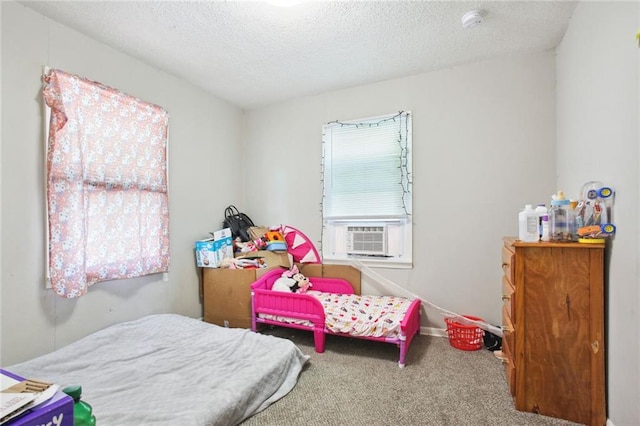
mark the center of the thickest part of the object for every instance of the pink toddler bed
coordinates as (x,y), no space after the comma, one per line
(331,307)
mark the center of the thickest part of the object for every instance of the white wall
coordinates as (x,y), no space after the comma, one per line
(204,133)
(598,132)
(484,146)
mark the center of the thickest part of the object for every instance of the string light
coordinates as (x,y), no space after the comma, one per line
(377,123)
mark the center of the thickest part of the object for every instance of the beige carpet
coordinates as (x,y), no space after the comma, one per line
(357,382)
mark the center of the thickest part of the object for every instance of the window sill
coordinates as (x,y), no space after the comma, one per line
(389,263)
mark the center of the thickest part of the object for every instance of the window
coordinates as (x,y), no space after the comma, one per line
(107,197)
(367,190)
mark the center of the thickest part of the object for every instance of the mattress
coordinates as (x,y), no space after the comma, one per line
(169,369)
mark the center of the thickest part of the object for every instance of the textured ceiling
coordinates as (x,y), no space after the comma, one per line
(253,54)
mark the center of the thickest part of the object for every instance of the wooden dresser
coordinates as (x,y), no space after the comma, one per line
(553,326)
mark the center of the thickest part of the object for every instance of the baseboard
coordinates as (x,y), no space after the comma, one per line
(432,331)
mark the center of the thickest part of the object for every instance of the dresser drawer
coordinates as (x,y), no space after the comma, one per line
(509,366)
(508,350)
(509,298)
(508,264)
(508,330)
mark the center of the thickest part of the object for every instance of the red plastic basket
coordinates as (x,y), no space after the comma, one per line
(464,336)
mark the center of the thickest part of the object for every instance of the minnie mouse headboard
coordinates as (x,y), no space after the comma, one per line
(299,246)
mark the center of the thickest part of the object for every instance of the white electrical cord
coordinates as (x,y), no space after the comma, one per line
(385,282)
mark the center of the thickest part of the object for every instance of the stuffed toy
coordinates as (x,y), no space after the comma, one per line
(284,283)
(292,281)
(302,284)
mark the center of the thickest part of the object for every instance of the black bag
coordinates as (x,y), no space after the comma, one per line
(238,222)
(492,341)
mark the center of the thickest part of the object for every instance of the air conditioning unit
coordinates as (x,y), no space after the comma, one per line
(367,240)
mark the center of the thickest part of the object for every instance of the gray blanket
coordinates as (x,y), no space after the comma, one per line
(169,369)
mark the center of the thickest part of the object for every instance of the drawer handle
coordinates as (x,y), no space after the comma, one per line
(505,297)
(506,329)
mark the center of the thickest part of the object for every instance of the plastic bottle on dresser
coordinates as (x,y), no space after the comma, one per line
(528,225)
(562,219)
(541,210)
(82,412)
(545,228)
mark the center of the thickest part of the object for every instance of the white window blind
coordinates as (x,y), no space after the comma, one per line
(367,168)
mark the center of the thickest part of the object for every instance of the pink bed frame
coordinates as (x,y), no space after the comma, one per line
(306,307)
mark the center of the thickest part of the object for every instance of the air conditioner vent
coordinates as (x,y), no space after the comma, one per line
(367,240)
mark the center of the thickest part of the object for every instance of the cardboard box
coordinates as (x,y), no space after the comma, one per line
(270,258)
(227,292)
(346,272)
(210,252)
(227,295)
(56,411)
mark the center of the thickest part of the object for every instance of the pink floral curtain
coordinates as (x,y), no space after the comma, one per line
(106,184)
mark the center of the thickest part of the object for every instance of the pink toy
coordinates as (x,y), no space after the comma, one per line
(307,312)
(299,245)
(246,247)
(302,283)
(292,281)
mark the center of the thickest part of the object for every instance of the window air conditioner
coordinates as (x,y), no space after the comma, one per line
(367,240)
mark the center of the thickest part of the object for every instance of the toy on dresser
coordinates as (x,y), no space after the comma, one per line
(292,281)
(593,213)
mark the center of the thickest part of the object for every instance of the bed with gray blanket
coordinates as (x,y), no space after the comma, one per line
(169,369)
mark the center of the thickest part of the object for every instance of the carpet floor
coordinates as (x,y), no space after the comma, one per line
(358,382)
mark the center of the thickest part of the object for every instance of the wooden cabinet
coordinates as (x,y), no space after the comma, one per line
(553,328)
